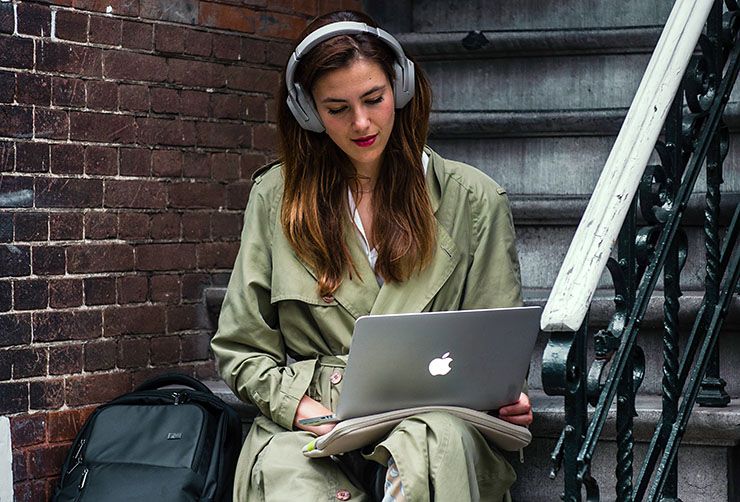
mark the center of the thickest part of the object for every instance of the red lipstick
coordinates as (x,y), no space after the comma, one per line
(366,141)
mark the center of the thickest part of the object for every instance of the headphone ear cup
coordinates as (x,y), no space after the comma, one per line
(403,86)
(304,111)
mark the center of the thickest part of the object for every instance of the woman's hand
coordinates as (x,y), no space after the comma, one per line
(519,413)
(309,408)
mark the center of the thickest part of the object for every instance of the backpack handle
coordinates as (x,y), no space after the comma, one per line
(173,379)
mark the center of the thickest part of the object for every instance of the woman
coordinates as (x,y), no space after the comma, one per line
(359,217)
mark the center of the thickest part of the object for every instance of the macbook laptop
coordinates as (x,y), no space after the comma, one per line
(476,359)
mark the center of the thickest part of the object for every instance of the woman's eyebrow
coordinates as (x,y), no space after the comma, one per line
(371,91)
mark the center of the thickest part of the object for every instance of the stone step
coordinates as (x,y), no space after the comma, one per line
(709,459)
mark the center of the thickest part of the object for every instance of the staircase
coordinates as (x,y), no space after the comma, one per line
(534,93)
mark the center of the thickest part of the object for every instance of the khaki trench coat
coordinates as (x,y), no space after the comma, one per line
(272,310)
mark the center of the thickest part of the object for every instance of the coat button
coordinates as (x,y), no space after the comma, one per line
(328,298)
(343,495)
(335,378)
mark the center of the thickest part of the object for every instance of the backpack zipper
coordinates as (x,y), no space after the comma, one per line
(78,456)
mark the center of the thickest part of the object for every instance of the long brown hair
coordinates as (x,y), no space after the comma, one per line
(315,209)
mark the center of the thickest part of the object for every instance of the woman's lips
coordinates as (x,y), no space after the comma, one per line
(366,141)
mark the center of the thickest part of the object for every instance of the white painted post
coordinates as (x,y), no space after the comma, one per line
(601,222)
(6,462)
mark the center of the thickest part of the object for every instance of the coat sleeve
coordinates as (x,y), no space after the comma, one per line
(493,278)
(249,347)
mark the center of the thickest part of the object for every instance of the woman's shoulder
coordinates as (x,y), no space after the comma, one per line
(479,185)
(268,179)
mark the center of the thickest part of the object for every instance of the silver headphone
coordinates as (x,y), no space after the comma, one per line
(299,100)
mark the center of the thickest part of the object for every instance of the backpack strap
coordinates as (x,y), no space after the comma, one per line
(173,379)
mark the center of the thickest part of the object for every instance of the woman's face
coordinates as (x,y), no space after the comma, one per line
(356,105)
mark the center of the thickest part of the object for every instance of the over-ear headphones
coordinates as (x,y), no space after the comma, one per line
(299,100)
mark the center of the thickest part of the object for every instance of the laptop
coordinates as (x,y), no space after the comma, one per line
(476,359)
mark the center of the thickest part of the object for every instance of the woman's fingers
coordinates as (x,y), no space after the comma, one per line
(519,413)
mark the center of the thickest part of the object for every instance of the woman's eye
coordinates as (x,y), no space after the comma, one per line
(334,111)
(375,101)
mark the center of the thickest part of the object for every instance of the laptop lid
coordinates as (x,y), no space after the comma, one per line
(477,359)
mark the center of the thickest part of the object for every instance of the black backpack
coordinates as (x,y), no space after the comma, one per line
(174,444)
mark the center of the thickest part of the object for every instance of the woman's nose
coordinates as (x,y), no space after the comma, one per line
(361,120)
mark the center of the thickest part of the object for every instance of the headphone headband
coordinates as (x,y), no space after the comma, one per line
(300,102)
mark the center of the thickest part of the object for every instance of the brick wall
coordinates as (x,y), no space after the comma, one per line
(128,133)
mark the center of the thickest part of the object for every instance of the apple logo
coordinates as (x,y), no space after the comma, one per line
(440,365)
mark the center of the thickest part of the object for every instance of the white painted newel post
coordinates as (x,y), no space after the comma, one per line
(601,222)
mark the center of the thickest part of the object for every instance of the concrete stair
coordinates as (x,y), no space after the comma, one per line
(535,97)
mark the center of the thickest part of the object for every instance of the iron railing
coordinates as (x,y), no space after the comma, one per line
(694,136)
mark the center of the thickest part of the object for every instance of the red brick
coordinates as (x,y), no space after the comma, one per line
(165,226)
(185,318)
(254,51)
(103,127)
(133,226)
(307,7)
(272,111)
(221,135)
(138,320)
(46,460)
(217,254)
(136,35)
(16,121)
(30,491)
(226,225)
(100,258)
(116,7)
(65,293)
(7,18)
(47,394)
(33,89)
(195,347)
(225,166)
(105,30)
(27,430)
(28,362)
(7,86)
(52,124)
(100,290)
(265,137)
(32,157)
(66,359)
(7,156)
(178,11)
(100,355)
(67,58)
(193,286)
(196,73)
(101,225)
(15,261)
(135,162)
(132,289)
(96,388)
(250,162)
(226,17)
(167,163)
(15,397)
(165,288)
(67,91)
(255,108)
(165,256)
(169,39)
(30,294)
(16,52)
(135,194)
(165,100)
(198,43)
(194,103)
(64,425)
(196,226)
(134,98)
(64,226)
(49,260)
(34,20)
(227,106)
(205,370)
(101,160)
(31,226)
(190,195)
(102,95)
(196,165)
(20,469)
(252,79)
(227,47)
(133,353)
(165,350)
(237,194)
(71,25)
(135,66)
(67,325)
(155,131)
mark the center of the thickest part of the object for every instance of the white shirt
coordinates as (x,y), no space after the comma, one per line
(372,254)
